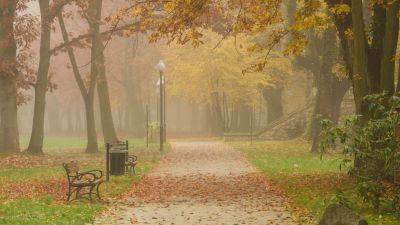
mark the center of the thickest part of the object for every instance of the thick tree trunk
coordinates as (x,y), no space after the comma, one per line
(389,47)
(273,97)
(9,140)
(37,135)
(361,79)
(330,90)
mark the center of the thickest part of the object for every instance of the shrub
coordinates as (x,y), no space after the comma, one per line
(371,149)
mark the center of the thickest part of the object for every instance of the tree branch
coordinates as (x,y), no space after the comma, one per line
(89,35)
(56,8)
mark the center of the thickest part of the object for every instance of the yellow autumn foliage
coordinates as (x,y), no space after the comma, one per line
(217,67)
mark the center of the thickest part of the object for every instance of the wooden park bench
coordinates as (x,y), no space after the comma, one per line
(82,180)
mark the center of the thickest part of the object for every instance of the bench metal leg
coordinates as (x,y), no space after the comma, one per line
(90,193)
(77,193)
(98,191)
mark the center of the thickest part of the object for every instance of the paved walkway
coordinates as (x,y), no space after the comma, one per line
(201,183)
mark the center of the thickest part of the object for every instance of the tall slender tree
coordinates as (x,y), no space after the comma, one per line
(47,14)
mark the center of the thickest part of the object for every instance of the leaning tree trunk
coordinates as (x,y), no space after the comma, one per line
(86,93)
(37,135)
(107,122)
(9,141)
(98,61)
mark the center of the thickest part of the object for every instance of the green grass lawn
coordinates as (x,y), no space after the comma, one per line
(308,180)
(49,207)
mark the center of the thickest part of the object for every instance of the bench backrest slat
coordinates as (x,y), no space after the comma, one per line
(71,167)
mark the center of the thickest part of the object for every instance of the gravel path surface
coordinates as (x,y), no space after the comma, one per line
(201,182)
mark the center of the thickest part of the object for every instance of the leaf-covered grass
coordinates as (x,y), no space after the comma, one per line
(309,180)
(50,208)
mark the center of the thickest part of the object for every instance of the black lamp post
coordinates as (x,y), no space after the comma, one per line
(161,68)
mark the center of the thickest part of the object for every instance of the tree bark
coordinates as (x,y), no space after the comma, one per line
(37,135)
(92,145)
(361,80)
(9,140)
(389,47)
(98,67)
(86,93)
(214,120)
(273,97)
(330,90)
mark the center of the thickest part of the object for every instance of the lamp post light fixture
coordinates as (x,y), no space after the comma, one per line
(161,68)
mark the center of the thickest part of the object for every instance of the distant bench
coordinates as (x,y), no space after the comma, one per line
(238,136)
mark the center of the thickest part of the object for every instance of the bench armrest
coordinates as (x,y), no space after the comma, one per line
(132,158)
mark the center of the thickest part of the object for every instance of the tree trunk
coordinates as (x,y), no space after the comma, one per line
(53,115)
(98,61)
(234,127)
(216,127)
(90,126)
(245,118)
(273,97)
(9,140)
(330,90)
(361,80)
(87,94)
(37,135)
(389,48)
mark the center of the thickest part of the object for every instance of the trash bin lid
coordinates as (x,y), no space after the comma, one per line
(118,151)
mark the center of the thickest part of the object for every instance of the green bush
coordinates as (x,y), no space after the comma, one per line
(371,149)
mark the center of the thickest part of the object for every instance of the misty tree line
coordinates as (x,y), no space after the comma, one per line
(50,12)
